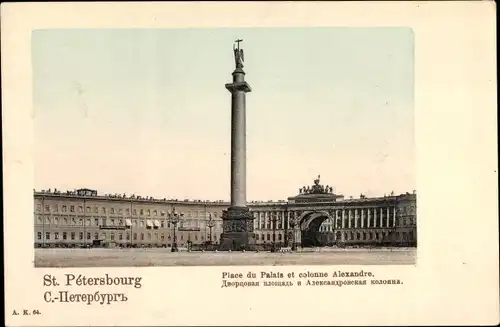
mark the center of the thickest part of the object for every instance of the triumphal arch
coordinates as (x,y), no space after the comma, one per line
(317,216)
(309,217)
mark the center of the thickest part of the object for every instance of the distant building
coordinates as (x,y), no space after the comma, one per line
(314,217)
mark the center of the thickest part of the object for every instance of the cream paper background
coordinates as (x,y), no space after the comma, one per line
(455,280)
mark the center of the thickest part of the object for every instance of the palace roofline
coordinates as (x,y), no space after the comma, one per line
(92,194)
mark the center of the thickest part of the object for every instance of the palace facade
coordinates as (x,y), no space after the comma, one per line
(314,217)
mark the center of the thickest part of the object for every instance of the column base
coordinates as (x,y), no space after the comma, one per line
(237,235)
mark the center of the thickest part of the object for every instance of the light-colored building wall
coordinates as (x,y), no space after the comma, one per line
(62,218)
(77,218)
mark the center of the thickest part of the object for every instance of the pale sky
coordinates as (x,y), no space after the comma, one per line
(146,111)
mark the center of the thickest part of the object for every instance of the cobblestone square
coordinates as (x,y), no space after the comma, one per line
(162,258)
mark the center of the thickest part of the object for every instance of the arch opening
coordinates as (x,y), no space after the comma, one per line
(311,233)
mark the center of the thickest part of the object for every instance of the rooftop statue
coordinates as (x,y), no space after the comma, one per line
(316,188)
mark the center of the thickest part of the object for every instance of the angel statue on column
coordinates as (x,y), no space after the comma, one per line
(238,54)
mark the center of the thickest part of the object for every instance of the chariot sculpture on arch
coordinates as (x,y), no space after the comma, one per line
(316,188)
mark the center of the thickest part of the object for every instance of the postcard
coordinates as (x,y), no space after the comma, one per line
(281,163)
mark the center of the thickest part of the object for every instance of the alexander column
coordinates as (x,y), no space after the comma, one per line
(237,220)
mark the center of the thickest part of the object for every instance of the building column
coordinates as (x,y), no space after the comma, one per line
(297,237)
(362,218)
(374,217)
(388,218)
(343,218)
(394,217)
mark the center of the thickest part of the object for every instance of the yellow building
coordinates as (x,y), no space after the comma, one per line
(315,217)
(82,217)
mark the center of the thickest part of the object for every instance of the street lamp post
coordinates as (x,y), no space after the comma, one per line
(274,219)
(211,224)
(174,220)
(286,225)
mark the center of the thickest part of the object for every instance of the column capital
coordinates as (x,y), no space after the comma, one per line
(238,86)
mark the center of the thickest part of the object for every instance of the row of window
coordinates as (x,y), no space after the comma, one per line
(120,211)
(408,221)
(155,212)
(356,213)
(268,237)
(408,209)
(112,222)
(120,236)
(377,236)
(165,223)
(383,222)
(279,224)
(350,236)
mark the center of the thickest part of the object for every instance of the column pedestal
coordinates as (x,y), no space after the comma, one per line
(238,232)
